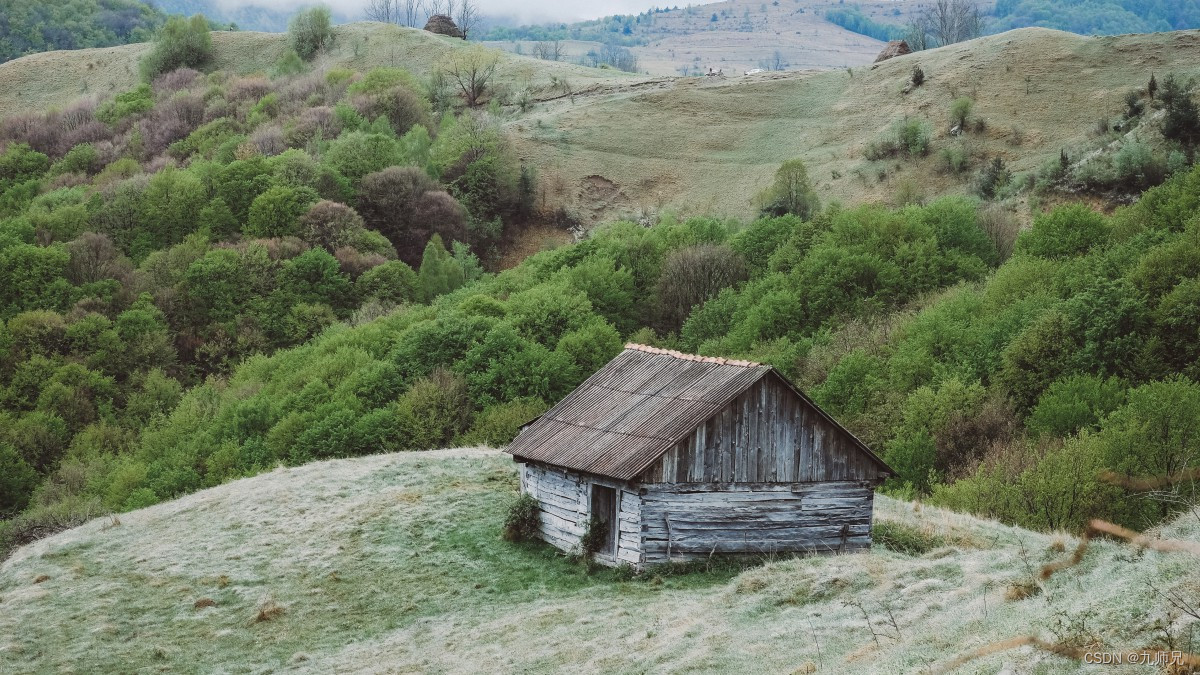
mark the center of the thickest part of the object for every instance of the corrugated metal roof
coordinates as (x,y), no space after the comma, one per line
(632,410)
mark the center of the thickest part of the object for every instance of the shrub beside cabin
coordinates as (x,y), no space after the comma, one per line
(680,457)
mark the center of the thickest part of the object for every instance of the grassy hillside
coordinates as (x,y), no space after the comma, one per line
(395,563)
(54,79)
(705,146)
(609,144)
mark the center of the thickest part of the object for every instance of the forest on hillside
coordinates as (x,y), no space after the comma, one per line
(212,274)
(30,26)
(1096,17)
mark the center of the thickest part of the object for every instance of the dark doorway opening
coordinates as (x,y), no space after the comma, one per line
(604,510)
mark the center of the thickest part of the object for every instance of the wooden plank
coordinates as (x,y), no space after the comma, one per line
(709,449)
(764,431)
(725,445)
(568,526)
(807,486)
(790,441)
(737,445)
(804,448)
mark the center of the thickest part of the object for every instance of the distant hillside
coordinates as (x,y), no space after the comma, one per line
(246,16)
(50,79)
(30,26)
(733,36)
(739,35)
(1092,17)
(395,563)
(612,144)
(708,145)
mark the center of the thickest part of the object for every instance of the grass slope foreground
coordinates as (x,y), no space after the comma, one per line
(394,563)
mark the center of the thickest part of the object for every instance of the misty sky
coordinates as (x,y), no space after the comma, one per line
(533,11)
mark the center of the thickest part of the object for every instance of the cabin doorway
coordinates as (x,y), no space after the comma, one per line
(604,510)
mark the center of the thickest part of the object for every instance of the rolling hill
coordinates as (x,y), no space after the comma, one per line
(394,563)
(610,144)
(734,36)
(709,145)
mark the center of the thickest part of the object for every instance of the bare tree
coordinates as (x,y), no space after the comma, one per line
(412,12)
(471,70)
(548,50)
(386,11)
(467,17)
(945,22)
(435,7)
(775,62)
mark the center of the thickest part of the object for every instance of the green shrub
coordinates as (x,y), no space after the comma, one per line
(1133,104)
(1138,167)
(289,64)
(310,31)
(499,424)
(523,521)
(82,158)
(393,281)
(276,212)
(133,102)
(17,481)
(905,538)
(906,136)
(355,154)
(379,80)
(180,43)
(1066,231)
(1075,403)
(1182,120)
(792,192)
(960,112)
(435,410)
(20,163)
(993,178)
(595,536)
(955,160)
(912,135)
(1045,488)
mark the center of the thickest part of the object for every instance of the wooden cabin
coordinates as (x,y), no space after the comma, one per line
(682,457)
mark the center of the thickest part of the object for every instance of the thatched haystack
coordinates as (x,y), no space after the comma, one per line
(444,25)
(892,50)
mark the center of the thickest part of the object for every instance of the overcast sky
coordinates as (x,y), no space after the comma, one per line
(528,11)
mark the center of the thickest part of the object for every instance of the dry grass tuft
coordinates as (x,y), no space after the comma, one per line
(751,584)
(204,602)
(222,581)
(268,610)
(1075,559)
(1021,590)
(1143,541)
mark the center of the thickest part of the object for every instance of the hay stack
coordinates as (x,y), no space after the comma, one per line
(444,25)
(892,50)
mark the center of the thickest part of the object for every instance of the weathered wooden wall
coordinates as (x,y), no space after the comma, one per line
(767,434)
(694,521)
(565,498)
